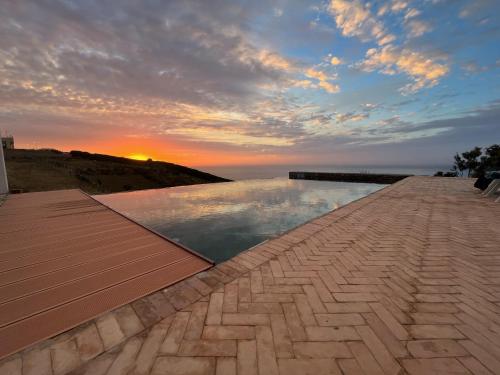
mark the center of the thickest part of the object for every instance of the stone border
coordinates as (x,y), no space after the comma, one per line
(74,348)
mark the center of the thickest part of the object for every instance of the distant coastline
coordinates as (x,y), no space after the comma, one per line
(42,170)
(271,171)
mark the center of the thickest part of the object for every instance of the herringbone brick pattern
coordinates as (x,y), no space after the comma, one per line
(406,281)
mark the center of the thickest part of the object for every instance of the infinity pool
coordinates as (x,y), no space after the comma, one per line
(220,220)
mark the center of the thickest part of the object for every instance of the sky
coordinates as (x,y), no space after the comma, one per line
(225,82)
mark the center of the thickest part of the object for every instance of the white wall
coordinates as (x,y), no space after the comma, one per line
(4,186)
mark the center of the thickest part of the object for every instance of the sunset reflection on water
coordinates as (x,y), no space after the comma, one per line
(221,220)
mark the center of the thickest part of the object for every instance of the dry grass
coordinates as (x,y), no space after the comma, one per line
(42,170)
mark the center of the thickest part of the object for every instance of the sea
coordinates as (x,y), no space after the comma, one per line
(247,172)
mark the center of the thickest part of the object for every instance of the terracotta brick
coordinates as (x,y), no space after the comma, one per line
(350,366)
(314,299)
(125,361)
(440,331)
(184,366)
(256,285)
(244,294)
(321,350)
(128,321)
(150,348)
(214,314)
(436,307)
(308,367)
(12,366)
(245,319)
(196,321)
(282,342)
(434,318)
(230,303)
(304,309)
(65,357)
(434,366)
(297,332)
(390,321)
(354,297)
(35,362)
(98,366)
(208,348)
(474,366)
(384,358)
(159,306)
(146,311)
(247,357)
(286,289)
(109,330)
(89,343)
(199,285)
(226,366)
(395,346)
(276,268)
(260,308)
(265,351)
(348,307)
(229,332)
(436,348)
(365,359)
(332,334)
(487,359)
(339,319)
(175,333)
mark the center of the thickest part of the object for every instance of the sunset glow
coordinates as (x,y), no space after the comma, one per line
(261,82)
(138,157)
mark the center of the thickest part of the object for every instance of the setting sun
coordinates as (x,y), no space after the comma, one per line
(138,157)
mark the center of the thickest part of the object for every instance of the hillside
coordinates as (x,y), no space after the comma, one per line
(40,170)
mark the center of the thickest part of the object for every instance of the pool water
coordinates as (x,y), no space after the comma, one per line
(221,220)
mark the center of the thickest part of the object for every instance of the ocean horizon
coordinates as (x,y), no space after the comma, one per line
(246,172)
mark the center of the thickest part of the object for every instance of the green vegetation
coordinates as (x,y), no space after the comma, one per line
(41,170)
(476,162)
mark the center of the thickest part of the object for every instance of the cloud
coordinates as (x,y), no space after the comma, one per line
(224,75)
(417,28)
(168,67)
(399,5)
(412,12)
(478,10)
(350,117)
(324,80)
(335,61)
(329,87)
(424,71)
(355,19)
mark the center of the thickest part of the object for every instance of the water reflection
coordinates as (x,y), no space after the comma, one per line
(220,220)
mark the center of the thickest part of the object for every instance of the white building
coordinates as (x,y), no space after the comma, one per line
(4,185)
(8,142)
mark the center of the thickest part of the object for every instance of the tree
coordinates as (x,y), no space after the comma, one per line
(491,159)
(459,165)
(471,159)
(476,162)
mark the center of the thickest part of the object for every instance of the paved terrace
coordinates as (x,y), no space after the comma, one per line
(405,281)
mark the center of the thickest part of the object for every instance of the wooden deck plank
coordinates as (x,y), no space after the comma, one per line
(65,259)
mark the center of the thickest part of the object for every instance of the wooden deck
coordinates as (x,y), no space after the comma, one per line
(65,259)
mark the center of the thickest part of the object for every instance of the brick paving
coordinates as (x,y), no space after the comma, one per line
(404,281)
